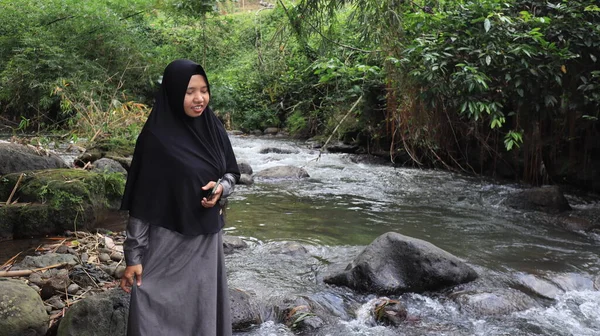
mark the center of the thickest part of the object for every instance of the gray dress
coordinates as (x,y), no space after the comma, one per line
(184,282)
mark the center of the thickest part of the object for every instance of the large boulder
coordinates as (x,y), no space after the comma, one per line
(106,165)
(394,264)
(55,200)
(547,199)
(22,312)
(104,314)
(244,312)
(244,167)
(16,158)
(282,172)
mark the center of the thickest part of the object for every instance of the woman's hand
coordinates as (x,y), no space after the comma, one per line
(210,202)
(127,279)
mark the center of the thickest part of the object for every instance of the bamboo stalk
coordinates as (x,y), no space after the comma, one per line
(28,272)
(14,189)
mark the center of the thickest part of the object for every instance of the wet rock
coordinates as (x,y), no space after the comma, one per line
(389,312)
(277,151)
(232,243)
(290,248)
(244,167)
(573,223)
(246,179)
(32,262)
(106,165)
(597,283)
(118,150)
(103,314)
(22,312)
(271,131)
(540,287)
(340,147)
(301,319)
(244,313)
(547,198)
(394,264)
(496,302)
(16,158)
(282,172)
(573,282)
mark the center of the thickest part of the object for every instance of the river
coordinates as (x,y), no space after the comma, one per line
(347,202)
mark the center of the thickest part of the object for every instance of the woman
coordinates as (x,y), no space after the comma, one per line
(174,245)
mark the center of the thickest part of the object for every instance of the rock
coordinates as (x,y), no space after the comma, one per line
(339,147)
(597,283)
(235,132)
(104,257)
(256,132)
(289,248)
(277,151)
(547,199)
(16,158)
(56,303)
(22,312)
(62,249)
(56,285)
(244,313)
(85,257)
(106,165)
(282,172)
(394,264)
(119,271)
(232,243)
(244,167)
(496,302)
(389,312)
(116,256)
(45,260)
(572,223)
(573,282)
(246,179)
(103,314)
(542,288)
(73,289)
(36,279)
(301,314)
(61,199)
(271,131)
(118,150)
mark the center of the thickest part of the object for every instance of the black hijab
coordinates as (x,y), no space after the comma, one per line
(175,156)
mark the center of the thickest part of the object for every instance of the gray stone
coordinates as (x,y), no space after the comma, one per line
(244,167)
(15,158)
(31,262)
(22,312)
(36,279)
(104,314)
(244,313)
(290,248)
(232,243)
(271,131)
(282,172)
(73,289)
(104,257)
(55,302)
(547,198)
(277,151)
(105,165)
(246,179)
(394,264)
(494,302)
(539,287)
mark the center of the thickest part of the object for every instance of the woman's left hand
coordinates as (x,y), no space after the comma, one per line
(210,202)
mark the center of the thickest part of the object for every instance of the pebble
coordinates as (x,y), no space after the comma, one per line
(72,289)
(104,257)
(36,279)
(116,256)
(55,302)
(84,257)
(62,249)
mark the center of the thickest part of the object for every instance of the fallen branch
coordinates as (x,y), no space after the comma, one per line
(14,189)
(28,272)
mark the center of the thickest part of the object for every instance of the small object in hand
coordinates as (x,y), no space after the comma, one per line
(213,190)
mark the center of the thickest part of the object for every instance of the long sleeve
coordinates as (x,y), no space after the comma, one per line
(136,242)
(228,183)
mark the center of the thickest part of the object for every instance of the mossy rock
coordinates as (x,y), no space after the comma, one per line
(120,150)
(59,199)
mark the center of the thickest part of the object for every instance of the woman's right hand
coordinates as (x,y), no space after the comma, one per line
(127,278)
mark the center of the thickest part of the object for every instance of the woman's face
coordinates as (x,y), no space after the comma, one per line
(196,96)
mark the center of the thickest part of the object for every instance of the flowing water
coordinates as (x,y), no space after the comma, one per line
(346,203)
